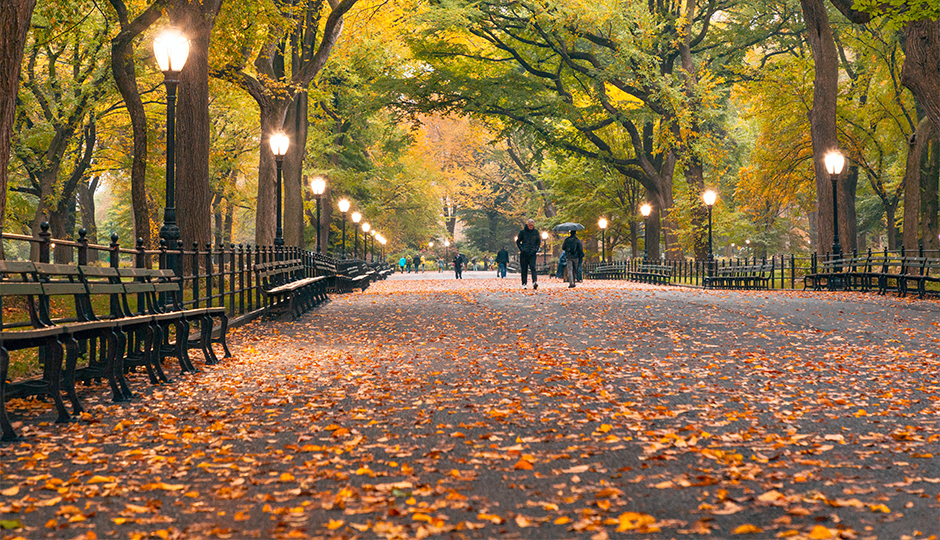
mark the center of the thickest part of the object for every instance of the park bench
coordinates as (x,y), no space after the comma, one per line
(285,289)
(753,276)
(651,273)
(352,275)
(919,271)
(608,271)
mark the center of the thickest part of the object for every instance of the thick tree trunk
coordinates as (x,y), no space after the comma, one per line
(124,70)
(921,70)
(929,197)
(848,218)
(193,196)
(272,118)
(229,223)
(891,212)
(916,153)
(86,201)
(296,125)
(14,25)
(822,117)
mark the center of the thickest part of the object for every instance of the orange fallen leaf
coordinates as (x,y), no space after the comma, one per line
(335,524)
(747,528)
(820,532)
(633,520)
(522,465)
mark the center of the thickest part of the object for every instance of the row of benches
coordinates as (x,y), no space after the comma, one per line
(881,271)
(119,317)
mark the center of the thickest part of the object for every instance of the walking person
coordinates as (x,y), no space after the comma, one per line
(417,261)
(528,243)
(574,252)
(401,263)
(502,261)
(458,265)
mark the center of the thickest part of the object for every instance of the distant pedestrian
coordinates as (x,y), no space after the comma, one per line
(417,261)
(401,263)
(562,264)
(528,243)
(459,262)
(502,260)
(440,264)
(574,252)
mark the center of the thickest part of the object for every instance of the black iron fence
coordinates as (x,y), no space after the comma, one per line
(787,271)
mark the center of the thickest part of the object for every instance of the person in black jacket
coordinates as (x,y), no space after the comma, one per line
(459,262)
(528,243)
(502,260)
(574,252)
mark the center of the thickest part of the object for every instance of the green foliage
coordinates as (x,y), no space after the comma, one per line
(900,12)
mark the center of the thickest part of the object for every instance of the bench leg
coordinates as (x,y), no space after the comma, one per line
(205,341)
(115,369)
(8,433)
(71,360)
(52,373)
(223,332)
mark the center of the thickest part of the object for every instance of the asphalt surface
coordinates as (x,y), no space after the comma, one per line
(428,406)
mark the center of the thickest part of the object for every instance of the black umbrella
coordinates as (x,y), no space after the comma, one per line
(566,227)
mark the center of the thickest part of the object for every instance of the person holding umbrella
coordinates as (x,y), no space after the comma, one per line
(574,252)
(528,242)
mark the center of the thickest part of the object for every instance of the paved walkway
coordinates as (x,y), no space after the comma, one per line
(476,409)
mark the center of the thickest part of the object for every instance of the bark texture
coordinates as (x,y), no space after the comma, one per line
(124,70)
(822,116)
(193,197)
(14,24)
(921,70)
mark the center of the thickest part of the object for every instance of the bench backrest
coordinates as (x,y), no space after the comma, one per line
(18,279)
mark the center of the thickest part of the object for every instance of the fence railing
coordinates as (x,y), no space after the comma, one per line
(787,271)
(211,276)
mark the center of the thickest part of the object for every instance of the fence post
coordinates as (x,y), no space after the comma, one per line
(114,257)
(209,271)
(45,241)
(82,247)
(241,279)
(231,277)
(196,275)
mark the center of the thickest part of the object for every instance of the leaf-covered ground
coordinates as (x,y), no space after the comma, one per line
(476,409)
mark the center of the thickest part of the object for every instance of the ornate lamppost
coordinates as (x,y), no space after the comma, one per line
(446,250)
(365,239)
(544,249)
(171,48)
(645,211)
(279,143)
(343,208)
(602,223)
(835,161)
(710,197)
(318,186)
(372,234)
(356,218)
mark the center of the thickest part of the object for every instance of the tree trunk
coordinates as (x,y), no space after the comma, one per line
(124,70)
(229,223)
(929,197)
(272,118)
(296,125)
(921,70)
(916,153)
(217,217)
(890,215)
(192,126)
(634,234)
(822,117)
(14,25)
(848,218)
(86,201)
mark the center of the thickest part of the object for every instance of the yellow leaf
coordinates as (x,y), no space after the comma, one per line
(9,492)
(97,479)
(747,528)
(605,428)
(119,520)
(52,524)
(491,517)
(334,524)
(632,520)
(242,516)
(287,477)
(879,508)
(820,532)
(418,516)
(562,520)
(770,496)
